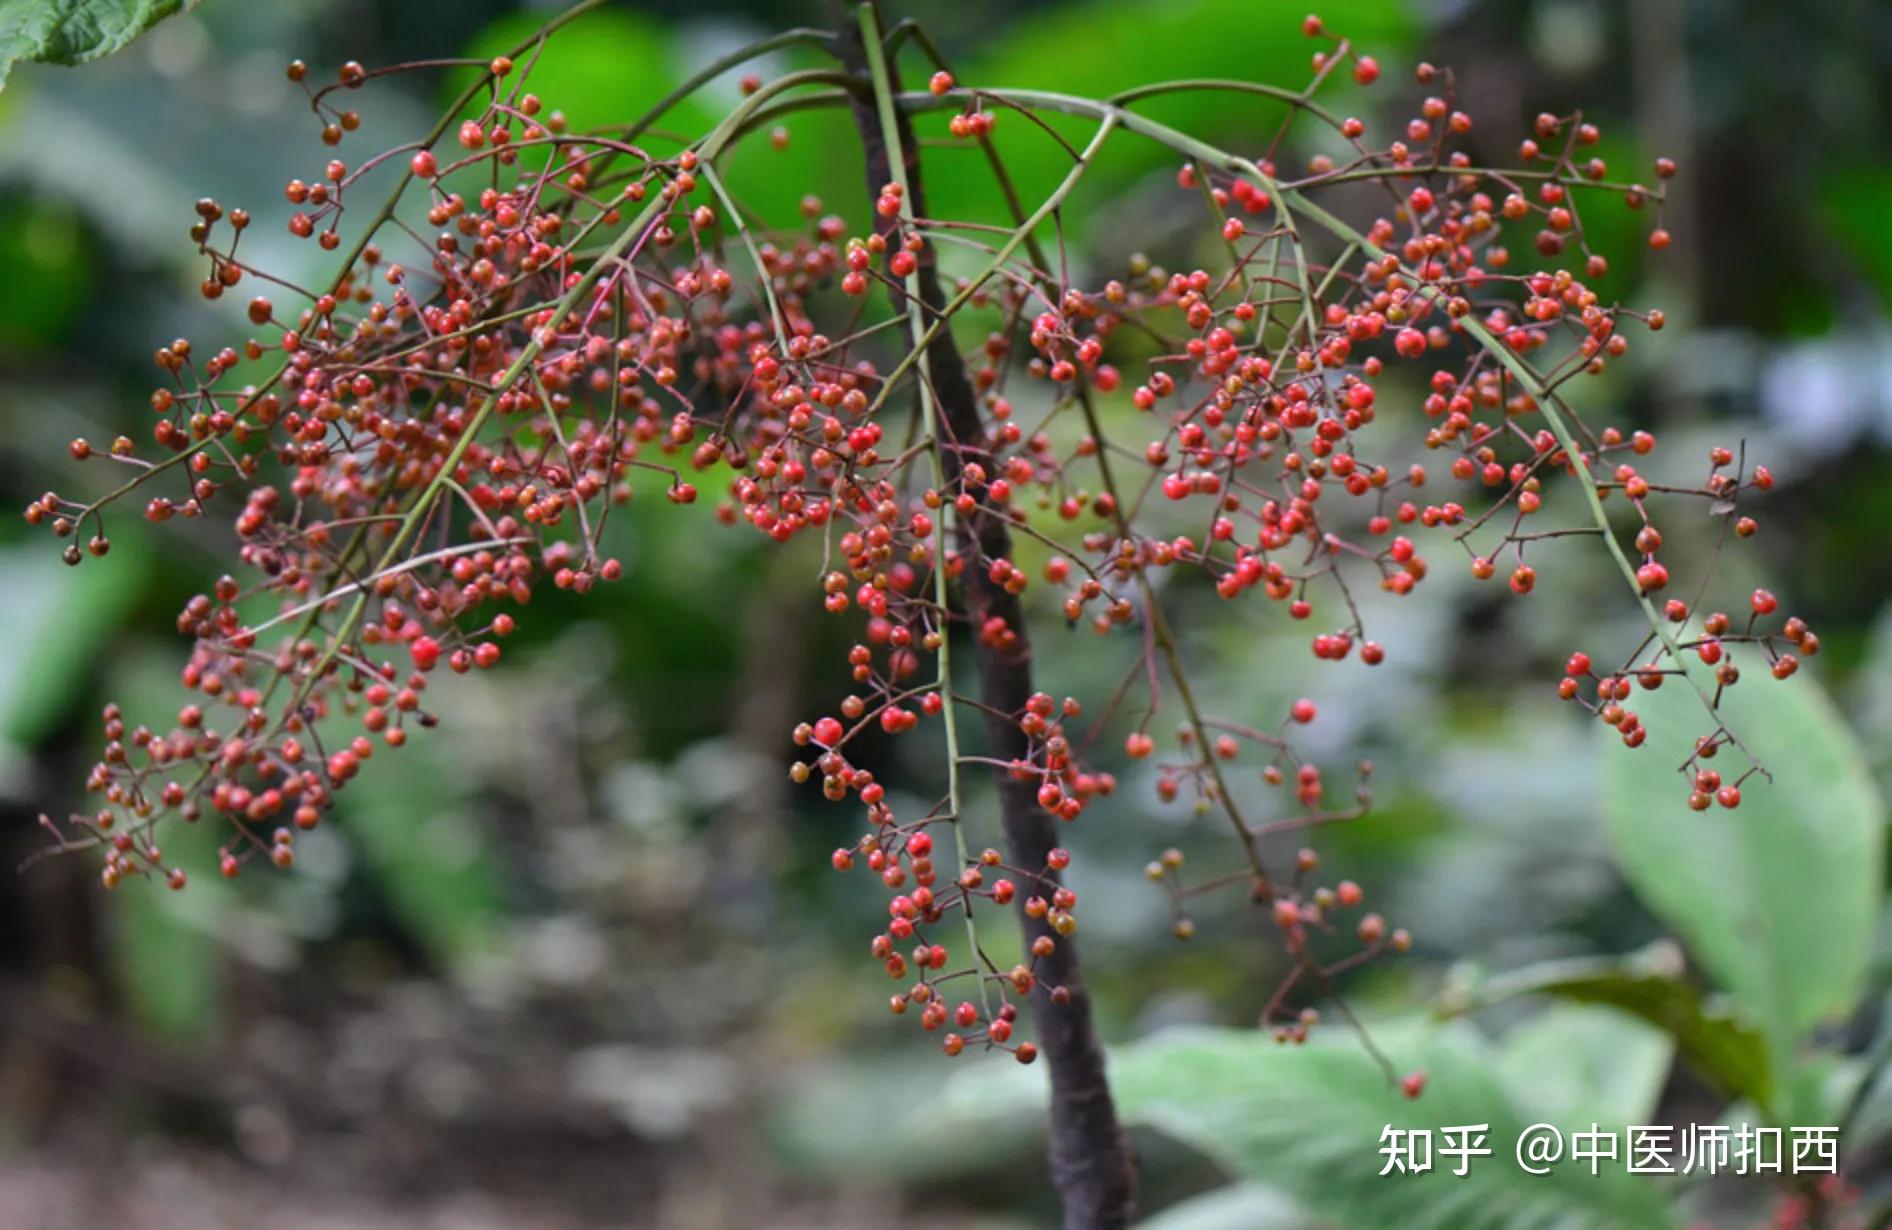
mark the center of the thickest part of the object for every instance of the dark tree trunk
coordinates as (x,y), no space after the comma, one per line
(1091,1164)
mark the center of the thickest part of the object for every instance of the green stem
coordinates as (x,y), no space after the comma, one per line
(943,527)
(755,254)
(1294,98)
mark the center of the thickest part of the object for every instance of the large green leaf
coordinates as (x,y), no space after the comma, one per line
(1776,898)
(1308,1121)
(1716,1042)
(1578,1063)
(74,31)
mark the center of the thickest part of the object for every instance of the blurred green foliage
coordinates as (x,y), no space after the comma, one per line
(1854,200)
(602,851)
(48,250)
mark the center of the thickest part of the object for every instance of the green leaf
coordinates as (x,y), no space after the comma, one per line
(1778,897)
(1726,1050)
(1307,1121)
(74,31)
(1580,1063)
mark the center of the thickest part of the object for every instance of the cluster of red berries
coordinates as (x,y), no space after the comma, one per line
(398,526)
(1608,692)
(454,419)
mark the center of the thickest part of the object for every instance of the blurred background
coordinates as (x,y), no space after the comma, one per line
(579,962)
